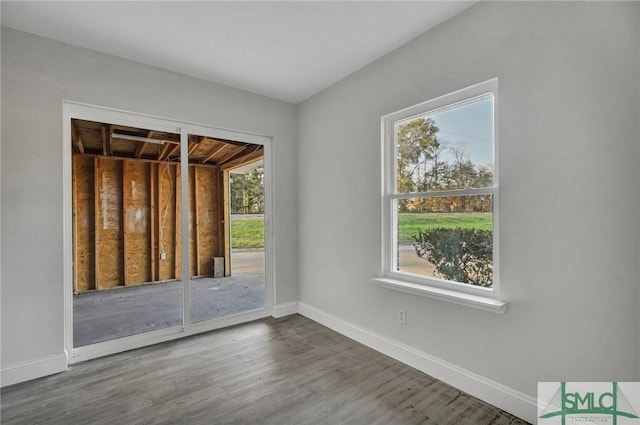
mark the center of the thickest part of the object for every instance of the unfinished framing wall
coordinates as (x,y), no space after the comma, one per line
(127,221)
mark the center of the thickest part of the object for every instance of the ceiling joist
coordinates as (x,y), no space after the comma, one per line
(215,152)
(118,141)
(77,140)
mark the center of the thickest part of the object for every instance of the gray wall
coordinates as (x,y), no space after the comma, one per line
(569,203)
(37,74)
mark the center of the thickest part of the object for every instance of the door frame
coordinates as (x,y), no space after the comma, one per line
(75,110)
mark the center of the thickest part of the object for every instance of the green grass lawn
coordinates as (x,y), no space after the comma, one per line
(410,224)
(247,232)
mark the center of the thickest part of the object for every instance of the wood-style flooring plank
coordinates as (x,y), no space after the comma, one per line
(288,371)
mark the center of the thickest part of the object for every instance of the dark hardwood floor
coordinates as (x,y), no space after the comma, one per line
(288,371)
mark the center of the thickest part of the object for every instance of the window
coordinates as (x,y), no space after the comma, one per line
(440,192)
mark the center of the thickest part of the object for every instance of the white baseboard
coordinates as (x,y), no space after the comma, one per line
(281,310)
(27,371)
(501,396)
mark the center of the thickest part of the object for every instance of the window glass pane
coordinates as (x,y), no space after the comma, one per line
(446,149)
(446,237)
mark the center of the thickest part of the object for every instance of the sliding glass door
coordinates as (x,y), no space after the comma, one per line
(166,229)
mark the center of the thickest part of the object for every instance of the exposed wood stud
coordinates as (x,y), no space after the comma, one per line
(110,139)
(125,233)
(226,223)
(177,255)
(159,174)
(104,140)
(74,181)
(107,138)
(196,222)
(219,196)
(96,231)
(152,217)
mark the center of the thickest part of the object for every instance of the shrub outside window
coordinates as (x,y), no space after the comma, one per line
(440,191)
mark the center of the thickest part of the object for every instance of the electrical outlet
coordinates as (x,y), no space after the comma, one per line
(402,316)
(163,255)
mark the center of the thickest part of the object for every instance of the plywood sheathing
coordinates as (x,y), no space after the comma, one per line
(109,226)
(137,222)
(209,217)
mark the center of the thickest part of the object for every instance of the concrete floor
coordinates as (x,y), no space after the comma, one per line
(116,313)
(106,315)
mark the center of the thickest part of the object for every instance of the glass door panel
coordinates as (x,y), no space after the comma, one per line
(217,287)
(126,231)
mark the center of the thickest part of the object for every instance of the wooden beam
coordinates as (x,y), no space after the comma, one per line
(96,229)
(215,151)
(177,255)
(75,137)
(107,138)
(142,145)
(104,140)
(74,183)
(140,149)
(219,206)
(171,151)
(193,146)
(165,149)
(253,157)
(196,222)
(125,203)
(152,216)
(237,150)
(159,219)
(238,156)
(122,158)
(152,224)
(226,223)
(110,139)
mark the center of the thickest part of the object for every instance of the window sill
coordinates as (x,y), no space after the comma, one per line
(455,297)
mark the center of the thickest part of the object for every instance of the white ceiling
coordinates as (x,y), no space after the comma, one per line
(286,50)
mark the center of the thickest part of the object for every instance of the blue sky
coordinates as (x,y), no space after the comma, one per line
(470,125)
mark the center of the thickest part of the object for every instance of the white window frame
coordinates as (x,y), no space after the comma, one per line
(455,292)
